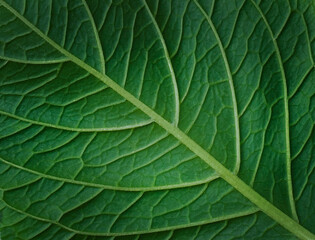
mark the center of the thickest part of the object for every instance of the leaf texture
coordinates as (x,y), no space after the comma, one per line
(157,119)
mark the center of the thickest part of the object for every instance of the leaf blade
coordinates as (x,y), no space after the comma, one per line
(177,133)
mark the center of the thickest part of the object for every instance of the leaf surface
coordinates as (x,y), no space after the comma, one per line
(157,119)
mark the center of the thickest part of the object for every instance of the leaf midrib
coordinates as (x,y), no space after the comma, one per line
(224,173)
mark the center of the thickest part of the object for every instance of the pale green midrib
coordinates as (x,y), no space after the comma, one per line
(227,175)
(232,89)
(169,63)
(97,37)
(76,129)
(108,187)
(286,114)
(183,226)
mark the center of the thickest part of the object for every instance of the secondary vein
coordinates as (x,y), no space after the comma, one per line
(76,129)
(245,213)
(169,63)
(286,112)
(232,89)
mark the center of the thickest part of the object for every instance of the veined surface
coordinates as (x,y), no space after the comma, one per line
(157,119)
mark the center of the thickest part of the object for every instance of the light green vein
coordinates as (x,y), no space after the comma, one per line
(103,186)
(169,63)
(218,219)
(307,137)
(34,61)
(97,37)
(308,40)
(76,129)
(286,113)
(300,84)
(228,71)
(267,207)
(21,185)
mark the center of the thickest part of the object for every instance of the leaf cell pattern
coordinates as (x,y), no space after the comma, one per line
(111,110)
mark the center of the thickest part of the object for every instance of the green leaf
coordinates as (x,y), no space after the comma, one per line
(157,119)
